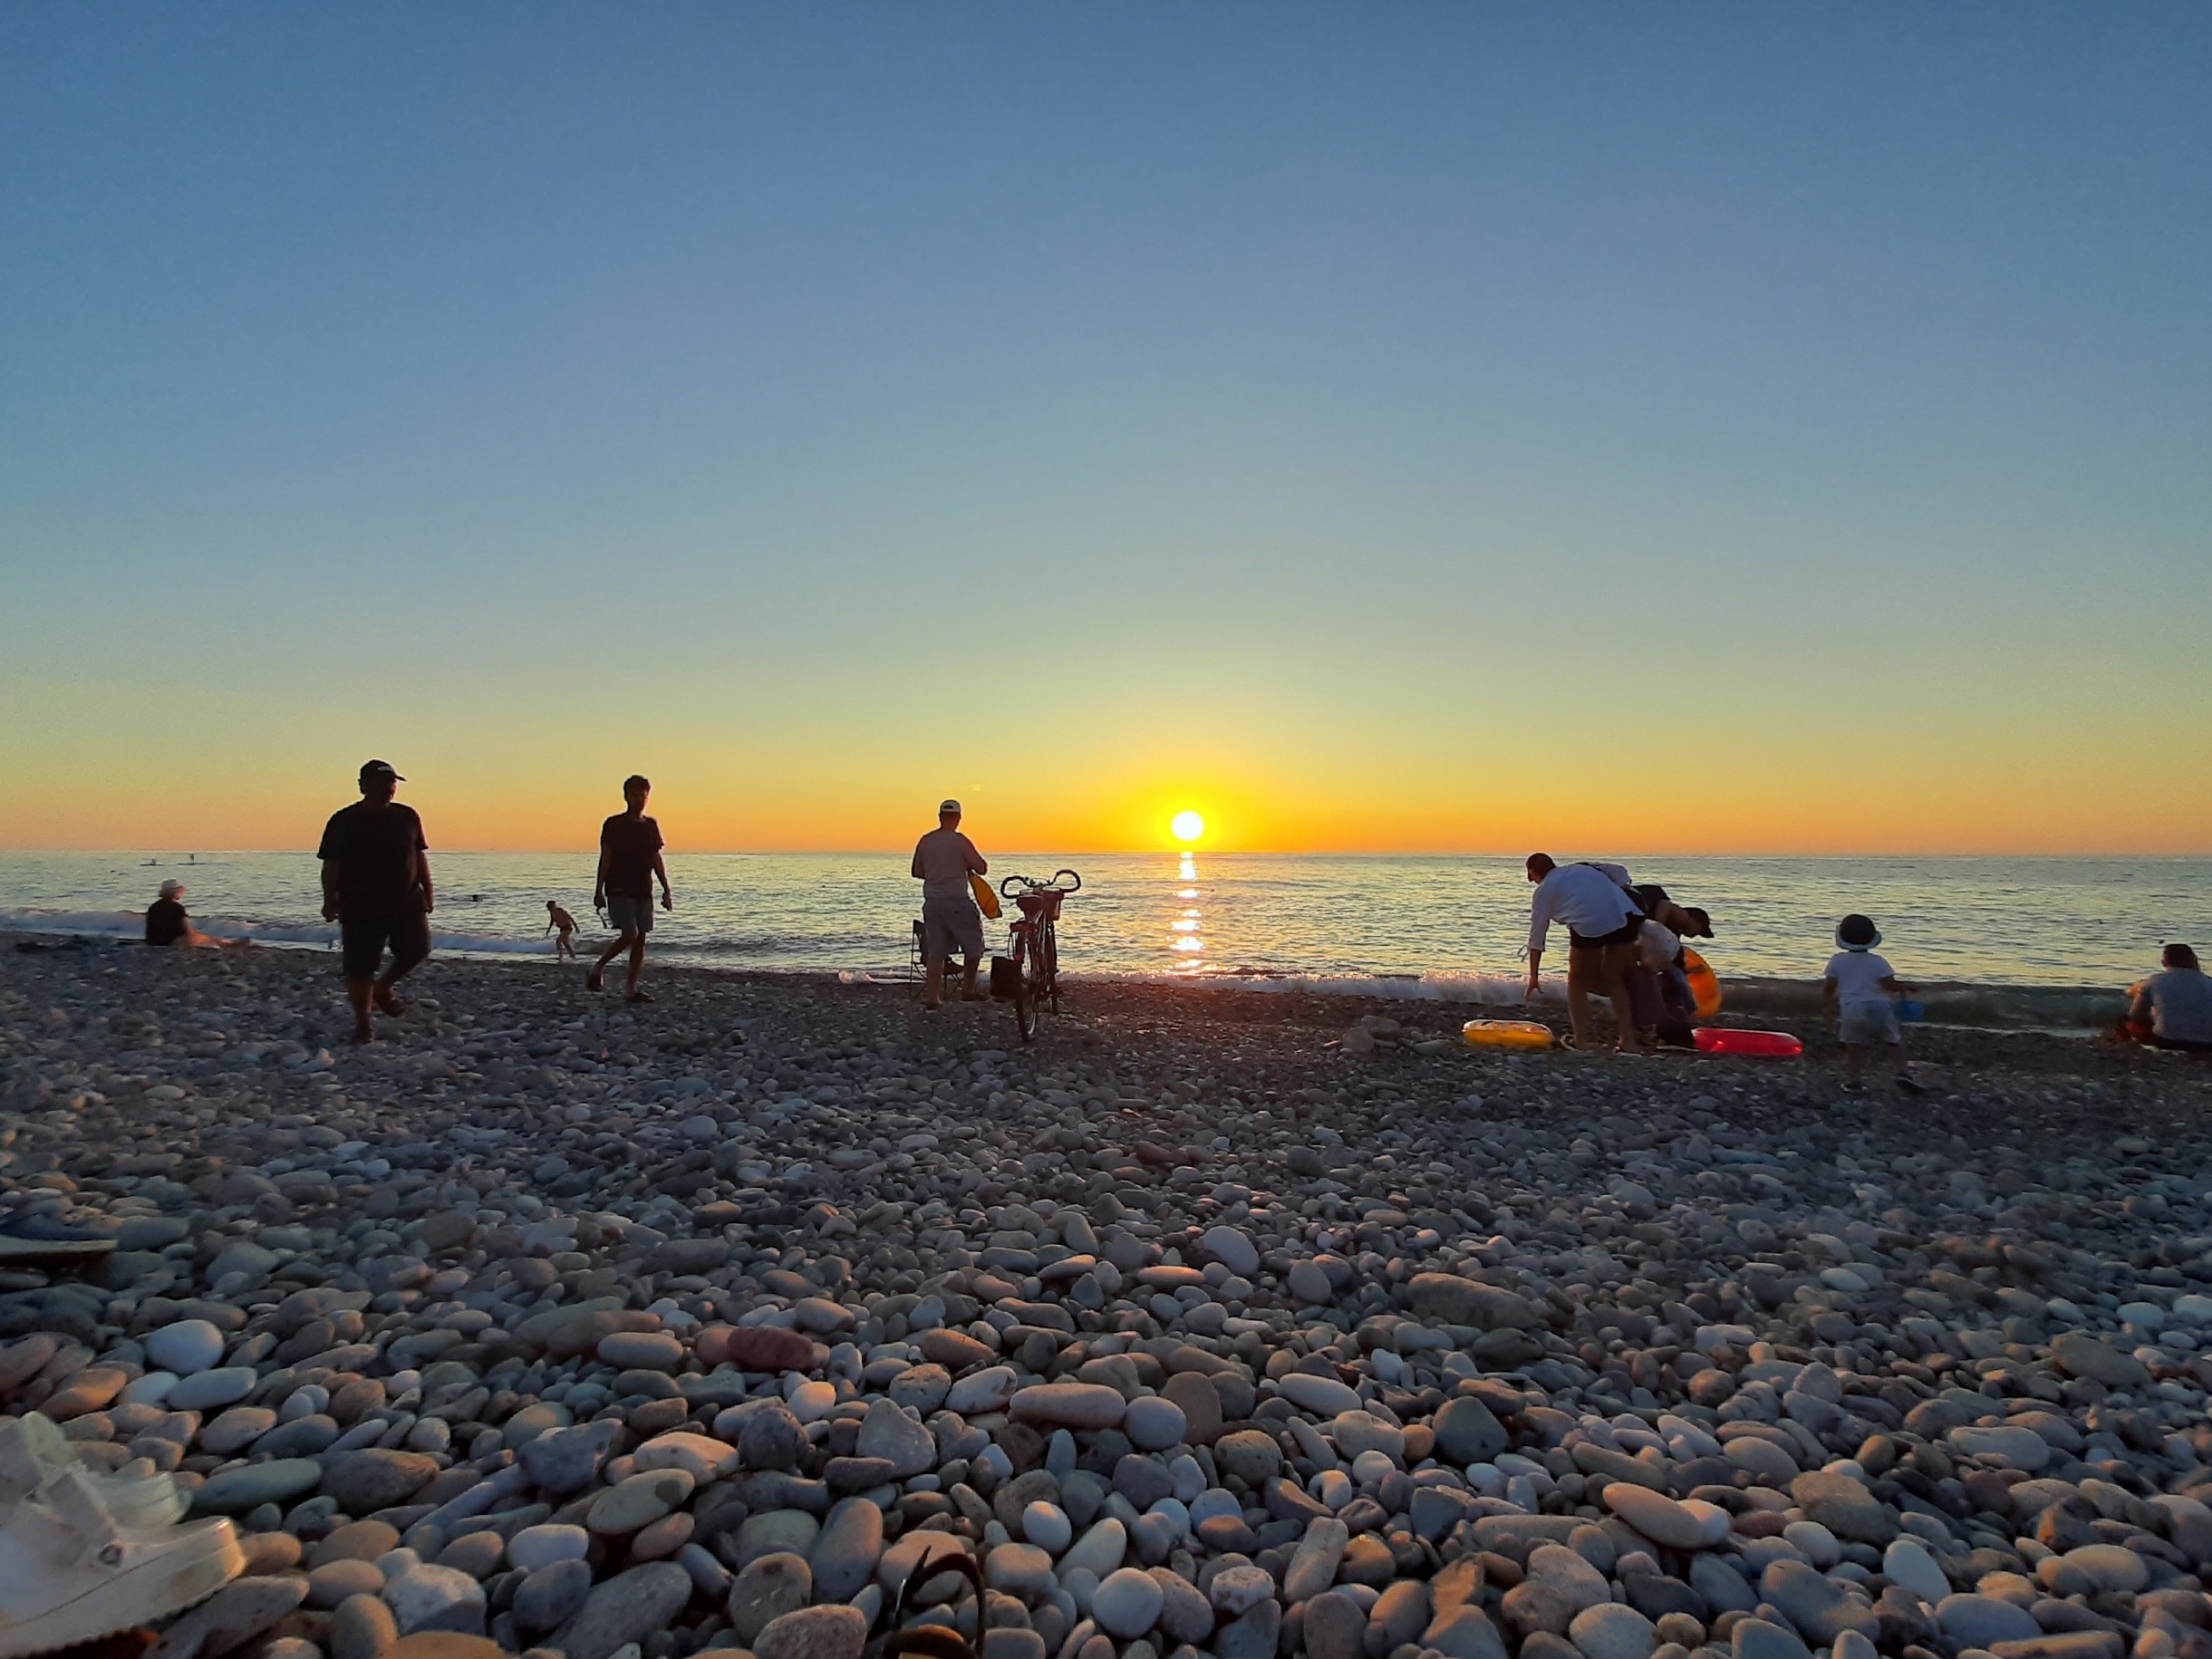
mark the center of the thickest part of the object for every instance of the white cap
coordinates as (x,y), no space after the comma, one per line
(171,888)
(945,806)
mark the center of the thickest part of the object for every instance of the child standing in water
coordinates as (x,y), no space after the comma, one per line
(1857,989)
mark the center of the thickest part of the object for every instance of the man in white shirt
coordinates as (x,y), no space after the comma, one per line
(1602,920)
(943,861)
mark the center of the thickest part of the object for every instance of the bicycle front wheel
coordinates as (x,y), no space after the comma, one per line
(1036,975)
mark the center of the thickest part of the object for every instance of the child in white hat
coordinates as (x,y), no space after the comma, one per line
(1857,989)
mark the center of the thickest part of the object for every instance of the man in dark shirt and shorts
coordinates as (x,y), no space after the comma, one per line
(630,858)
(376,886)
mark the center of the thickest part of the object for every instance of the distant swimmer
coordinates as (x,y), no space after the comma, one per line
(943,861)
(169,924)
(376,886)
(560,922)
(2173,1007)
(630,859)
(1603,921)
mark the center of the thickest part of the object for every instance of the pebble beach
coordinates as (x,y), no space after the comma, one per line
(1215,1322)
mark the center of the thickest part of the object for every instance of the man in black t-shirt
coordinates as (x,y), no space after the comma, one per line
(376,886)
(630,858)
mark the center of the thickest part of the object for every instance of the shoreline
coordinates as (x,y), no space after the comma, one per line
(1966,1005)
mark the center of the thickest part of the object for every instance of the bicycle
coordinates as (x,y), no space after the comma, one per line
(1030,975)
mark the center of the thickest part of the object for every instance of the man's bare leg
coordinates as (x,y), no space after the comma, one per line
(358,992)
(933,983)
(1578,999)
(637,966)
(597,977)
(1616,963)
(968,992)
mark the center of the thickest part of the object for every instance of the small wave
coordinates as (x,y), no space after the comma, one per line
(2000,1007)
(131,924)
(1490,991)
(118,924)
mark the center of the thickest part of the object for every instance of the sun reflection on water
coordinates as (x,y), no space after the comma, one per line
(1186,919)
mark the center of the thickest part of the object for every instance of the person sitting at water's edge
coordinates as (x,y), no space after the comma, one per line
(2173,1007)
(1603,921)
(943,861)
(376,886)
(1857,987)
(169,924)
(630,859)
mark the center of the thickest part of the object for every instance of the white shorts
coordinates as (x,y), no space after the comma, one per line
(1868,1022)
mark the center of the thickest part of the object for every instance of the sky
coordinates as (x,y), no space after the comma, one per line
(1430,428)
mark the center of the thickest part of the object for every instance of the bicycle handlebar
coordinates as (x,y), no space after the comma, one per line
(1007,887)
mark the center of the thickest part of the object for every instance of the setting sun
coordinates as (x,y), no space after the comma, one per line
(1186,826)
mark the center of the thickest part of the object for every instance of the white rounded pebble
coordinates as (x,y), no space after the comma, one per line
(185,1346)
(1127,1603)
(1047,1526)
(1154,1424)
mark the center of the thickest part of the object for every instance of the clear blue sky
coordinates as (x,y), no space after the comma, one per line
(1419,426)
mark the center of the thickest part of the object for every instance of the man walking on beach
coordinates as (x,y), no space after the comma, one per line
(943,861)
(376,886)
(630,847)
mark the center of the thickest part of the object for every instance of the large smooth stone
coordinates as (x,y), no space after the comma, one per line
(1984,1621)
(1070,1405)
(765,1591)
(626,1608)
(1127,1603)
(186,1346)
(811,1633)
(1611,1631)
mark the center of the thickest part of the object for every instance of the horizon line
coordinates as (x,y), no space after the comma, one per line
(1101,852)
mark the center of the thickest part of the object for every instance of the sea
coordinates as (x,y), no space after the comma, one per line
(2039,942)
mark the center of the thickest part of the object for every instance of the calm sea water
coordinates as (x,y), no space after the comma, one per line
(1994,922)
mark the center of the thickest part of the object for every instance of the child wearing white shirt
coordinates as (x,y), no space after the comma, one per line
(1857,988)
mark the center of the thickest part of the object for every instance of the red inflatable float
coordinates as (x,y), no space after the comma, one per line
(1767,1044)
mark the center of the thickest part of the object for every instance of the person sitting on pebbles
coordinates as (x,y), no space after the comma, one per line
(2173,1007)
(943,861)
(169,924)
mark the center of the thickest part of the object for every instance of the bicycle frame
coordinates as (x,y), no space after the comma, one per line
(1032,976)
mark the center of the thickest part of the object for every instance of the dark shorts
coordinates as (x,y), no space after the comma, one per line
(951,927)
(1625,934)
(630,914)
(363,933)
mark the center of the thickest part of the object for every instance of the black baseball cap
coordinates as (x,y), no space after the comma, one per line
(380,768)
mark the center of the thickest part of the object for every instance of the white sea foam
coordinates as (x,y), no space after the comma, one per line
(1490,991)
